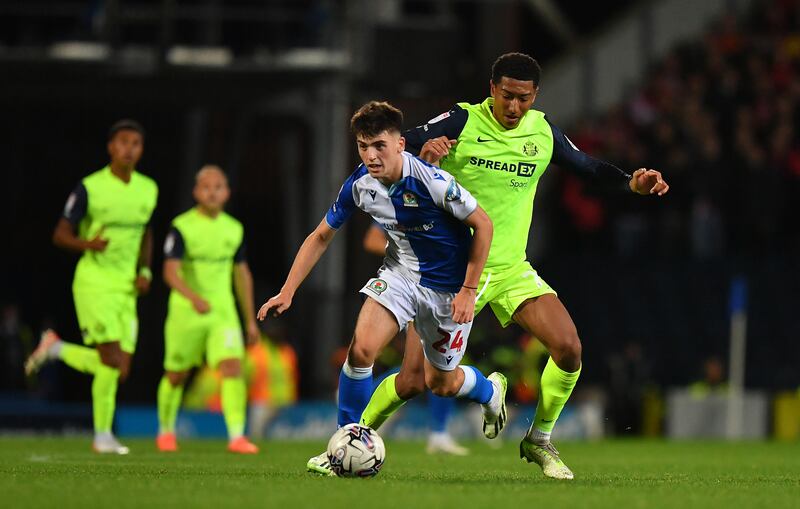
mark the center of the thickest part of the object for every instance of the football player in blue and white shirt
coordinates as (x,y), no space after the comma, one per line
(430,273)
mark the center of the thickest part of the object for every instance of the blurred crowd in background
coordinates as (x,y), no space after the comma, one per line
(720,117)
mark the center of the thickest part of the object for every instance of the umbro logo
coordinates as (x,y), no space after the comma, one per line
(485,140)
(372,193)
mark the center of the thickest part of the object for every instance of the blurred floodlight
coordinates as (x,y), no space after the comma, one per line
(80,50)
(210,56)
(313,58)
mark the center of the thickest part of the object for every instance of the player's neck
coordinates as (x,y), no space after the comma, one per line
(204,211)
(393,177)
(121,172)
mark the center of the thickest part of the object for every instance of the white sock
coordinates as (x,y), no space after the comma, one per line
(537,436)
(469,382)
(54,352)
(356,373)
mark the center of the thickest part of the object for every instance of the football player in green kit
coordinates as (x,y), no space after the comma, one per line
(498,150)
(204,265)
(106,219)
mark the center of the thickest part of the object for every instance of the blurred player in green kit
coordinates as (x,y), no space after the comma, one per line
(106,219)
(204,265)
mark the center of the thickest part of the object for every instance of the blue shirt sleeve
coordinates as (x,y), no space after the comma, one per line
(567,155)
(77,205)
(241,253)
(345,204)
(173,244)
(449,124)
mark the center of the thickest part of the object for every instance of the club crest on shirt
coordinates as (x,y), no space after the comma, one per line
(453,191)
(378,286)
(530,149)
(410,200)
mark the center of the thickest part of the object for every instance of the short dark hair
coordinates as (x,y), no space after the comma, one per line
(375,117)
(126,124)
(518,66)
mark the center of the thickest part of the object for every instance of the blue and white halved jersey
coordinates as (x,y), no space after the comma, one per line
(422,214)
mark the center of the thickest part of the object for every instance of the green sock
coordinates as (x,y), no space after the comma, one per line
(81,358)
(104,394)
(169,402)
(554,391)
(383,403)
(234,405)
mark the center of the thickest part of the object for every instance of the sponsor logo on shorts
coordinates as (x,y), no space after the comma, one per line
(378,286)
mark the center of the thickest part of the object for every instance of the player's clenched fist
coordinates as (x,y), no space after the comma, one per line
(464,306)
(646,181)
(279,303)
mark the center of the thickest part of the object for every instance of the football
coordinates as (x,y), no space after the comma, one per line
(356,451)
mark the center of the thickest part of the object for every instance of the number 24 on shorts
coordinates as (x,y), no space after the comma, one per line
(441,345)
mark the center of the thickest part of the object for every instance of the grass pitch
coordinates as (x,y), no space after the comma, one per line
(64,473)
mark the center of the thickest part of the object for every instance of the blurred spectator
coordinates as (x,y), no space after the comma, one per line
(713,381)
(16,342)
(270,369)
(630,377)
(720,117)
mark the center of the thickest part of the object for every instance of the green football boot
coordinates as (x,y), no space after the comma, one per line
(546,456)
(320,465)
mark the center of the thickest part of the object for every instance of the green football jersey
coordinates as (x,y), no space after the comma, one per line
(208,248)
(104,203)
(501,168)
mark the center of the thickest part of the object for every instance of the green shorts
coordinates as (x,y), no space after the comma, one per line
(106,317)
(190,336)
(505,291)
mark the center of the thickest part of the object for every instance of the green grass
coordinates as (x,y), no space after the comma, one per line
(63,473)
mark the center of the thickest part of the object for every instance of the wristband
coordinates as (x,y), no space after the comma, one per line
(145,272)
(470,287)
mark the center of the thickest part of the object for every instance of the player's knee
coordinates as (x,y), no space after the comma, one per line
(567,353)
(230,368)
(111,358)
(177,378)
(361,356)
(409,385)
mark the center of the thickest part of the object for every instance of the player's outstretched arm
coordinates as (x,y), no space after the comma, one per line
(64,236)
(464,301)
(243,286)
(644,181)
(171,274)
(306,258)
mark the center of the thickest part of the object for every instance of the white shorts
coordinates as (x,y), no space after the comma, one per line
(443,340)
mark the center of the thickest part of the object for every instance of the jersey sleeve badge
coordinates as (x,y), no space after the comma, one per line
(453,192)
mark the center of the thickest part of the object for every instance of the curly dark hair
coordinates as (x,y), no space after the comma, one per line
(375,117)
(518,66)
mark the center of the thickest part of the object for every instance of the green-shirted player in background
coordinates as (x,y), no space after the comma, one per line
(106,218)
(498,150)
(204,263)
